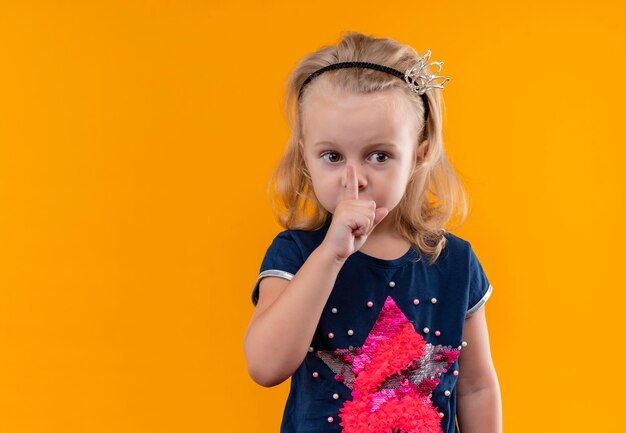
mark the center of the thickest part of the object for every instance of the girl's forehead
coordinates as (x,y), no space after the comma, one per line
(345,116)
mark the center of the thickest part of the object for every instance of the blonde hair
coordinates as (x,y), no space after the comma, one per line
(434,194)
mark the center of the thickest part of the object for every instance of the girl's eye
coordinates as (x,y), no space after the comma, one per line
(334,157)
(379,157)
(331,157)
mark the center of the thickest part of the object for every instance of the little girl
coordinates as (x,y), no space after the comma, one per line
(373,309)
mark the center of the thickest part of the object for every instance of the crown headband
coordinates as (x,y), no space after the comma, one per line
(418,78)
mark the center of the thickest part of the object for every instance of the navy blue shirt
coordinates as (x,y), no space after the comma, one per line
(385,351)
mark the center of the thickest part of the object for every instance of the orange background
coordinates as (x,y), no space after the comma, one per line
(136,142)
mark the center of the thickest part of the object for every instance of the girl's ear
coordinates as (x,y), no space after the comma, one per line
(420,154)
(301,147)
(305,165)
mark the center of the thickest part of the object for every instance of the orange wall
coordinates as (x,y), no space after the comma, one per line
(136,141)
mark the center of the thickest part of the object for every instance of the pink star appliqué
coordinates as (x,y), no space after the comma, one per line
(391,377)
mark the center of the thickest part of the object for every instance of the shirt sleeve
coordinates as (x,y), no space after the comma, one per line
(479,288)
(282,259)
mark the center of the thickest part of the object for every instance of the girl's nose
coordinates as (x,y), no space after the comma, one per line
(360,176)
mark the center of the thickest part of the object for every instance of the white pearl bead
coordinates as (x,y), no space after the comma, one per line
(440,414)
(330,419)
(333,310)
(433,300)
(311,349)
(350,332)
(447,393)
(426,330)
(336,396)
(464,344)
(392,284)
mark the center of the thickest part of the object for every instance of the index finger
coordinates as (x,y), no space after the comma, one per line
(352,184)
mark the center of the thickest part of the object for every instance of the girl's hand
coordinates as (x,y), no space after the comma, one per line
(353,220)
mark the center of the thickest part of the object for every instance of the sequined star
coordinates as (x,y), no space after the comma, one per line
(391,376)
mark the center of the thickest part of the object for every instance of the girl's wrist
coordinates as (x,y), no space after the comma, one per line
(329,256)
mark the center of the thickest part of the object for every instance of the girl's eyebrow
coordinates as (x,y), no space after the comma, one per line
(369,146)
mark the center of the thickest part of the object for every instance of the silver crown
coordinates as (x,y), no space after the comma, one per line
(420,79)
